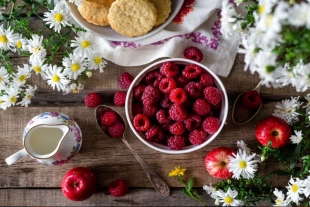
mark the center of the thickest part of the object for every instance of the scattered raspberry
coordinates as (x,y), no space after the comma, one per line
(176,142)
(118,188)
(137,108)
(193,89)
(166,85)
(177,128)
(158,80)
(162,117)
(169,69)
(141,122)
(151,76)
(193,53)
(150,110)
(211,125)
(251,99)
(181,81)
(178,96)
(116,130)
(154,134)
(119,98)
(197,136)
(177,113)
(206,79)
(150,95)
(125,80)
(191,71)
(212,95)
(93,100)
(201,107)
(108,118)
(165,102)
(192,122)
(138,91)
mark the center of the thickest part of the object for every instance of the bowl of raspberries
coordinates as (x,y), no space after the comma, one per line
(176,106)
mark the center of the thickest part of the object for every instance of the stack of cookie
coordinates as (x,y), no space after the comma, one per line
(130,18)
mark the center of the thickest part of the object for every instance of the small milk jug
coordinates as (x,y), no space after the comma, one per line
(49,138)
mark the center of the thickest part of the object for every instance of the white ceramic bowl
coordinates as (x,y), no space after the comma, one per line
(160,147)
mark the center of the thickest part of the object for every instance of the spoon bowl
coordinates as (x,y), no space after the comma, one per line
(158,183)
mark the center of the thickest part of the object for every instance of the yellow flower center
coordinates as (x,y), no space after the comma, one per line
(269,20)
(13,99)
(2,101)
(75,67)
(22,78)
(37,49)
(29,97)
(228,200)
(279,200)
(37,69)
(19,44)
(3,39)
(97,60)
(1,79)
(295,188)
(55,78)
(85,44)
(242,164)
(58,17)
(261,9)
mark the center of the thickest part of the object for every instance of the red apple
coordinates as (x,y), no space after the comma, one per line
(217,161)
(78,184)
(273,129)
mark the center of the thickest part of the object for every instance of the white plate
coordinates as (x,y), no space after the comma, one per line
(108,33)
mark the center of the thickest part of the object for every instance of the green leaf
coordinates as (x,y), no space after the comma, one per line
(296,155)
(27,1)
(52,5)
(186,192)
(190,184)
(19,11)
(277,172)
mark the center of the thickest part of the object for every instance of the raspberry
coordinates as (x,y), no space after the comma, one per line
(192,122)
(150,110)
(166,85)
(197,136)
(177,128)
(162,117)
(251,99)
(150,95)
(178,96)
(193,53)
(108,118)
(141,122)
(155,134)
(211,124)
(165,102)
(118,188)
(151,76)
(119,98)
(181,81)
(158,80)
(125,80)
(206,79)
(212,95)
(201,107)
(137,108)
(177,112)
(116,130)
(169,69)
(193,89)
(93,100)
(176,142)
(138,91)
(191,71)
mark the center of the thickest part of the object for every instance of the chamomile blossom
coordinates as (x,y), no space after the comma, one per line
(306,190)
(178,171)
(210,190)
(4,78)
(241,164)
(297,137)
(38,66)
(74,66)
(85,43)
(280,200)
(36,48)
(228,18)
(74,88)
(56,78)
(299,15)
(307,106)
(23,73)
(287,110)
(96,61)
(295,189)
(7,38)
(58,17)
(29,93)
(11,96)
(229,198)
(20,43)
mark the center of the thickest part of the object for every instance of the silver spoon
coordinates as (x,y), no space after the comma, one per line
(241,114)
(158,183)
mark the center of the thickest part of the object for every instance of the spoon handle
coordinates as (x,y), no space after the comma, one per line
(159,184)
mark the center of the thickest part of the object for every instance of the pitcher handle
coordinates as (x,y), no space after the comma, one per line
(16,156)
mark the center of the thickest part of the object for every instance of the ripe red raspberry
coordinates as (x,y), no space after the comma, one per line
(191,71)
(212,95)
(181,81)
(165,102)
(108,118)
(155,134)
(197,136)
(178,96)
(125,80)
(193,89)
(141,122)
(137,108)
(177,128)
(162,117)
(150,95)
(119,98)
(138,91)
(118,188)
(193,53)
(176,142)
(116,130)
(151,76)
(251,99)
(206,79)
(177,112)
(93,100)
(201,107)
(211,124)
(150,111)
(166,85)
(169,69)
(192,122)
(158,80)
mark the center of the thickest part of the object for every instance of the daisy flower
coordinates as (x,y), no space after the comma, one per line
(22,75)
(7,38)
(29,93)
(295,189)
(95,61)
(297,137)
(210,190)
(56,78)
(287,110)
(307,106)
(4,78)
(74,66)
(306,190)
(242,164)
(74,88)
(299,15)
(38,66)
(177,171)
(280,200)
(228,18)
(20,43)
(11,96)
(58,17)
(85,44)
(229,198)
(36,48)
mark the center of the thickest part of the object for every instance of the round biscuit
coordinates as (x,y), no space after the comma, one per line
(94,15)
(163,10)
(99,3)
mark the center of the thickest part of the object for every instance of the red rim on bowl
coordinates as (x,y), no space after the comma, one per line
(162,148)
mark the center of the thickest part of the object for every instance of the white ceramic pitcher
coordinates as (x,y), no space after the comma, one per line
(49,138)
